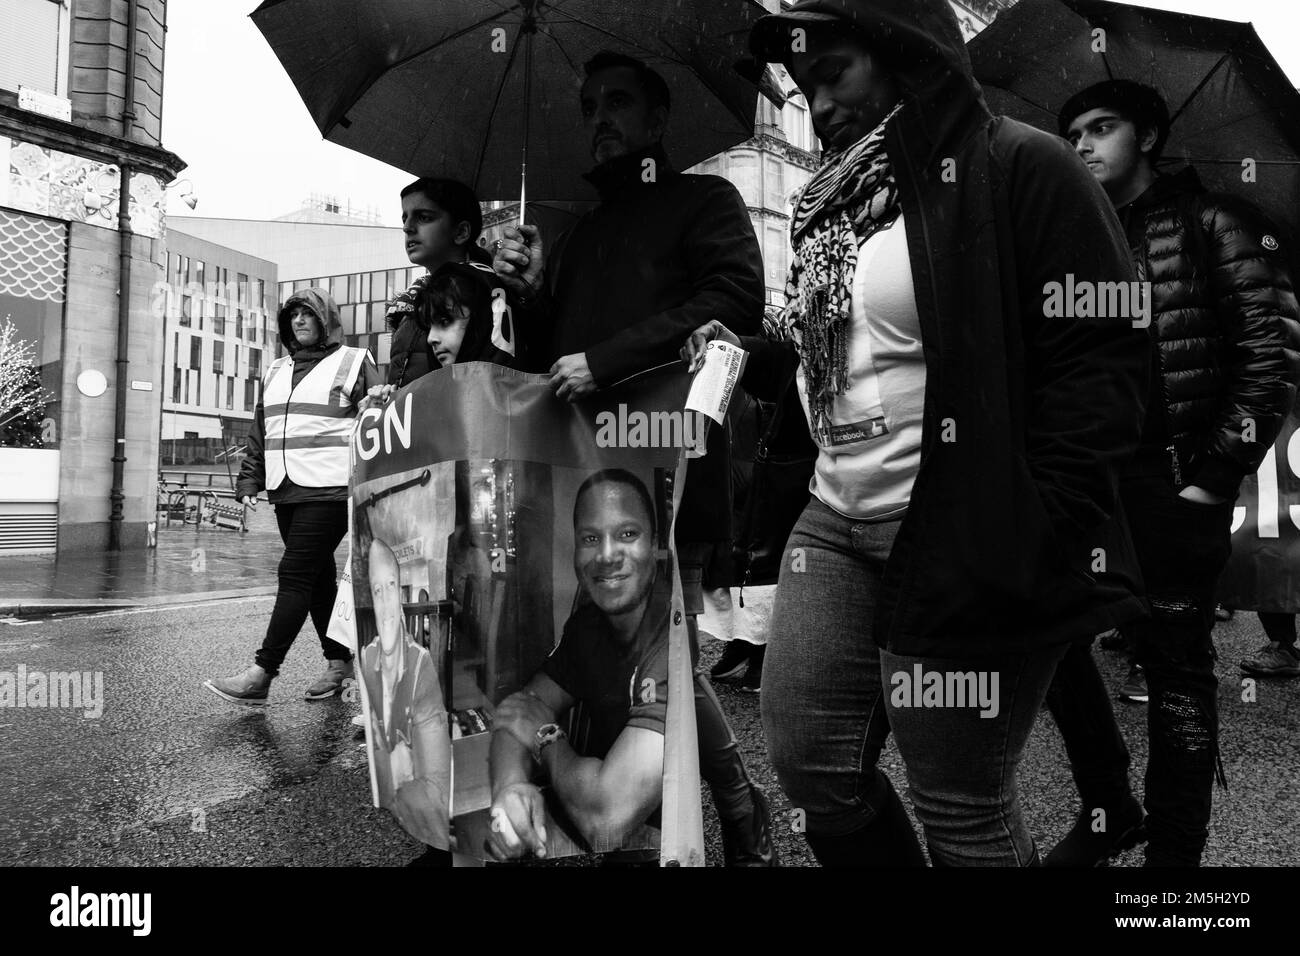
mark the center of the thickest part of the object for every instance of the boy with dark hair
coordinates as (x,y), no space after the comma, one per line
(1225,331)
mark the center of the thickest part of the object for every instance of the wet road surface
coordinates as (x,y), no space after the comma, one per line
(170,774)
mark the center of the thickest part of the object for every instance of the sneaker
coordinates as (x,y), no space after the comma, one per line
(1222,613)
(329,683)
(1084,846)
(1274,659)
(733,660)
(1134,688)
(247,687)
(752,682)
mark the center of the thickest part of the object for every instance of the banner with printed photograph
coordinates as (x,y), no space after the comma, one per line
(1263,573)
(524,663)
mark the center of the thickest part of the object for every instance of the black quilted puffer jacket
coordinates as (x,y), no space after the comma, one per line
(1227,330)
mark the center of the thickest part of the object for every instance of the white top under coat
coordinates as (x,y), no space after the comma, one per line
(866,468)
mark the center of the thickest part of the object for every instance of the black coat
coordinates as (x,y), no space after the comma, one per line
(1027,418)
(1226,327)
(410,355)
(634,278)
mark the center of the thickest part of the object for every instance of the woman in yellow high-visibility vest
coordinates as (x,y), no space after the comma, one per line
(298,453)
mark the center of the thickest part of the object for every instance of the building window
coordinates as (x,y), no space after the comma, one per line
(196,352)
(798,126)
(187,388)
(230,394)
(34,45)
(744,173)
(242,288)
(254,363)
(219,319)
(260,301)
(218,357)
(774,182)
(187,311)
(239,323)
(775,256)
(198,387)
(250,394)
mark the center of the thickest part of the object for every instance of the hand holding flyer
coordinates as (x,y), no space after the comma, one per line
(713,384)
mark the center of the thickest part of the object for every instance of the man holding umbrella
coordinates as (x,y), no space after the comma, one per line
(660,255)
(1226,332)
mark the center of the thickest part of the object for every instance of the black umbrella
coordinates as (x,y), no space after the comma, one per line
(468,88)
(1235,116)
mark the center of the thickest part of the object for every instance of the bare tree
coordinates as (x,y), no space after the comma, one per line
(22,399)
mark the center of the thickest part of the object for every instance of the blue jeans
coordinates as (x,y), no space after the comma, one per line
(828,705)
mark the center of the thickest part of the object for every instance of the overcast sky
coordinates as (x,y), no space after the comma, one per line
(230,111)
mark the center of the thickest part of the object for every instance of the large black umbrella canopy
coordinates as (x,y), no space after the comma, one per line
(1228,99)
(459,87)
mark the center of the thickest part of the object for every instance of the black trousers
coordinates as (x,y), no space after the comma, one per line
(308,578)
(1182,548)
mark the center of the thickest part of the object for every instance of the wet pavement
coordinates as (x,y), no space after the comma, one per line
(189,563)
(170,774)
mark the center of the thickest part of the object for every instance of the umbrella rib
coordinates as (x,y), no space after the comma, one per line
(496,102)
(341,111)
(570,18)
(708,85)
(1201,85)
(562,51)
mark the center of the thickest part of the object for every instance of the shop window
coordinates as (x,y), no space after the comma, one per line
(33,286)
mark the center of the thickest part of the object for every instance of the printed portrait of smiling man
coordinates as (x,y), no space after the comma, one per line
(613,660)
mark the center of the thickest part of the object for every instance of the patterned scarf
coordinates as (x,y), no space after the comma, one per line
(850,197)
(405,303)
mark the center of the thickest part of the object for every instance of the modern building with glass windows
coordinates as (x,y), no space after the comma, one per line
(360,264)
(82,172)
(220,334)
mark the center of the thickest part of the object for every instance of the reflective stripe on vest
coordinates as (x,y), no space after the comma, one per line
(309,425)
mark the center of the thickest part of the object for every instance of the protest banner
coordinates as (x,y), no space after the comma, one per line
(502,542)
(1263,573)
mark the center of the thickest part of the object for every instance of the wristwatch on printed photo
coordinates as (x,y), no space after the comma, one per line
(547,734)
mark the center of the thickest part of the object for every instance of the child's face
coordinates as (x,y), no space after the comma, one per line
(447,333)
(431,235)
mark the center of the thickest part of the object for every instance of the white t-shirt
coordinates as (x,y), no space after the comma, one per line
(866,468)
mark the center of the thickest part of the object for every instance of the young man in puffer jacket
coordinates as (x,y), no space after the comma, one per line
(1225,331)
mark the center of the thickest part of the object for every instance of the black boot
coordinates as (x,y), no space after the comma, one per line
(1085,846)
(748,841)
(887,841)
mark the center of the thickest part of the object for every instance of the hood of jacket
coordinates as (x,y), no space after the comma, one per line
(320,302)
(922,44)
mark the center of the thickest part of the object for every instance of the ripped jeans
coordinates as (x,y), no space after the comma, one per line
(1182,548)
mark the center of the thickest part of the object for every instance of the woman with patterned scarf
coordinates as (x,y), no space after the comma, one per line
(967,440)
